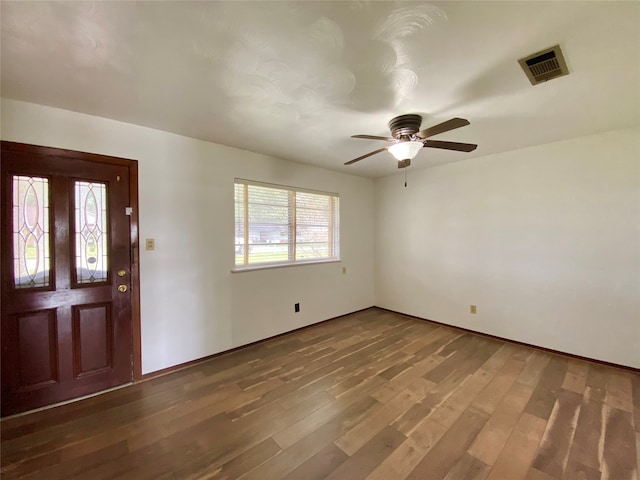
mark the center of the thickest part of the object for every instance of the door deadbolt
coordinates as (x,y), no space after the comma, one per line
(122,288)
(122,273)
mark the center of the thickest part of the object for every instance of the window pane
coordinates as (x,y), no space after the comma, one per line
(312,200)
(269,219)
(269,253)
(308,250)
(306,216)
(239,223)
(268,196)
(91,231)
(313,226)
(31,257)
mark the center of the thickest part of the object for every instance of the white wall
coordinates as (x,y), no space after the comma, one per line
(544,240)
(191,304)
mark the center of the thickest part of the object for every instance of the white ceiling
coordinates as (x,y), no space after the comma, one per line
(296,79)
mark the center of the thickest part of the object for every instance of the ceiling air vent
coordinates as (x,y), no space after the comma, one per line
(544,65)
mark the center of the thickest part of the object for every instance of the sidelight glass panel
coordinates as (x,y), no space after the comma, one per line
(91,232)
(31,255)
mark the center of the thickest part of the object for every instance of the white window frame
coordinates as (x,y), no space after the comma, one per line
(334,227)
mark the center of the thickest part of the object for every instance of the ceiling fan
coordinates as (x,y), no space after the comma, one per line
(407,139)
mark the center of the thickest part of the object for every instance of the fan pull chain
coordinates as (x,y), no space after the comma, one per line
(405,177)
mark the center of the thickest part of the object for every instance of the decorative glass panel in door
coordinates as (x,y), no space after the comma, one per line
(31,255)
(91,232)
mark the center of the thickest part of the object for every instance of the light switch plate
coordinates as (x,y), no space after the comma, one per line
(150,244)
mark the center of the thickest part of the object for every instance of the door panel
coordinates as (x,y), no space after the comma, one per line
(37,347)
(93,339)
(66,326)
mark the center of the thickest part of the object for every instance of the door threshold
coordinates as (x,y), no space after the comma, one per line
(65,402)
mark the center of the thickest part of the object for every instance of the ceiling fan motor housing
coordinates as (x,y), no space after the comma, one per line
(405,126)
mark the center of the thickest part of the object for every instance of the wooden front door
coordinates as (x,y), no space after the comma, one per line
(66,276)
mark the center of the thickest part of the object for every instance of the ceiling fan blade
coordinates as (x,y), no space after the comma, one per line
(374,137)
(366,155)
(443,127)
(460,147)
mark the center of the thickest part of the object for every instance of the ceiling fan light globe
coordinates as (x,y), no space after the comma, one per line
(405,150)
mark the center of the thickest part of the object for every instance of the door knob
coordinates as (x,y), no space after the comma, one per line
(122,288)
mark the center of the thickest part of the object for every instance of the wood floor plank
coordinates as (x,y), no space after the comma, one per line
(362,432)
(456,359)
(503,354)
(35,427)
(243,463)
(451,447)
(373,394)
(576,377)
(451,409)
(635,393)
(305,426)
(586,450)
(20,467)
(597,381)
(320,465)
(408,377)
(578,471)
(367,458)
(534,368)
(70,432)
(342,368)
(162,455)
(427,337)
(318,438)
(314,395)
(441,343)
(464,364)
(245,433)
(619,393)
(419,411)
(548,388)
(492,438)
(557,439)
(468,468)
(515,458)
(535,474)
(406,457)
(619,455)
(77,466)
(638,454)
(456,345)
(493,393)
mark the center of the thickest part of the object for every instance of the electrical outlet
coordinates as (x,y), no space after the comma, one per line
(296,307)
(473,309)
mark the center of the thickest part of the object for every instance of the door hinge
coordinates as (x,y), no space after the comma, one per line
(128,210)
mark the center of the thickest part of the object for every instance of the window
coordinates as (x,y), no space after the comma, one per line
(277,225)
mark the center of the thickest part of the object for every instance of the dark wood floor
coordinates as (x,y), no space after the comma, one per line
(371,395)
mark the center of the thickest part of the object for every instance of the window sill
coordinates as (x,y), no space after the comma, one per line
(282,265)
